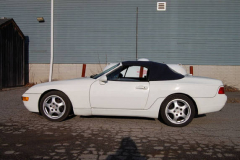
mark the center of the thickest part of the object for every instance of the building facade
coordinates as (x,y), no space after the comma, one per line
(202,33)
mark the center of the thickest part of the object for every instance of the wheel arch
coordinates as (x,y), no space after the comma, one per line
(195,104)
(50,90)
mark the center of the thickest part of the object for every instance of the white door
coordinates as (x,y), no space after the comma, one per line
(122,93)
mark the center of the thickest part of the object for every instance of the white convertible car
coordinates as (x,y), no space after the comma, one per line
(160,93)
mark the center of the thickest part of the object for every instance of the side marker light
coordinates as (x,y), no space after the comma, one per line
(25,98)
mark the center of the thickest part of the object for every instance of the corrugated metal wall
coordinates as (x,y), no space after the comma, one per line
(191,32)
(25,13)
(93,31)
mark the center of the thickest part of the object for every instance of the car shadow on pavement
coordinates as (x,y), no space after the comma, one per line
(119,117)
(196,116)
(200,116)
(70,117)
(127,150)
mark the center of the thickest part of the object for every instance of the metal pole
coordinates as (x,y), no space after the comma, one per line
(51,58)
(136,33)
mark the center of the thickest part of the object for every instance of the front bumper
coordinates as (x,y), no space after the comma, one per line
(32,103)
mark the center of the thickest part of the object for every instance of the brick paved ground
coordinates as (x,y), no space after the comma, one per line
(25,135)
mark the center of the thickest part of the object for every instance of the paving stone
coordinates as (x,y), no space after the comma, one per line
(88,156)
(159,156)
(60,150)
(158,148)
(9,152)
(103,157)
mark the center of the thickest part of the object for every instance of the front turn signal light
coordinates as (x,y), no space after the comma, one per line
(221,90)
(25,98)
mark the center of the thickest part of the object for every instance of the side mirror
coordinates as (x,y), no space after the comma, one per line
(103,79)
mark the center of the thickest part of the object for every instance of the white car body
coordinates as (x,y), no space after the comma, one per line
(89,96)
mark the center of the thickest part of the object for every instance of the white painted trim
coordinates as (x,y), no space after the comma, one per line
(51,58)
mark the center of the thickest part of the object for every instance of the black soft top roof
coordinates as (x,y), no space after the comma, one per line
(157,71)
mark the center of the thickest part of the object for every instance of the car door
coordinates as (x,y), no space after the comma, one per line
(124,89)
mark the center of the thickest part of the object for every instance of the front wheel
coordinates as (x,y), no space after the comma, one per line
(55,106)
(177,110)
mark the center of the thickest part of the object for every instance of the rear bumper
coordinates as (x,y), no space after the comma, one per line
(207,105)
(32,103)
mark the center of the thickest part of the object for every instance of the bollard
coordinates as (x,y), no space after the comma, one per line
(191,70)
(141,72)
(83,70)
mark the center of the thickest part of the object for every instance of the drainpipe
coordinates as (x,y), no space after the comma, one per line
(51,58)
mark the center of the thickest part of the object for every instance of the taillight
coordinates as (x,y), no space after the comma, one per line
(221,90)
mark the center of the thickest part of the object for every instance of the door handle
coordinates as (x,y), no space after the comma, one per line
(142,87)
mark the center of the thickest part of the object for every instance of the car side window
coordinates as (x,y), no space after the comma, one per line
(115,75)
(136,72)
(129,73)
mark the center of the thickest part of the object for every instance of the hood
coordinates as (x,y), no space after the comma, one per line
(64,81)
(60,85)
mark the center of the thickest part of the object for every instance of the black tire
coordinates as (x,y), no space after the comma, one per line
(177,110)
(55,106)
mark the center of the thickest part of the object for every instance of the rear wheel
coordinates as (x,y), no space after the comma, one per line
(177,110)
(55,106)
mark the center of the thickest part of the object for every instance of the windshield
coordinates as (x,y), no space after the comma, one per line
(107,70)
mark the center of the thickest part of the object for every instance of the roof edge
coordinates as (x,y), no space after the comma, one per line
(11,20)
